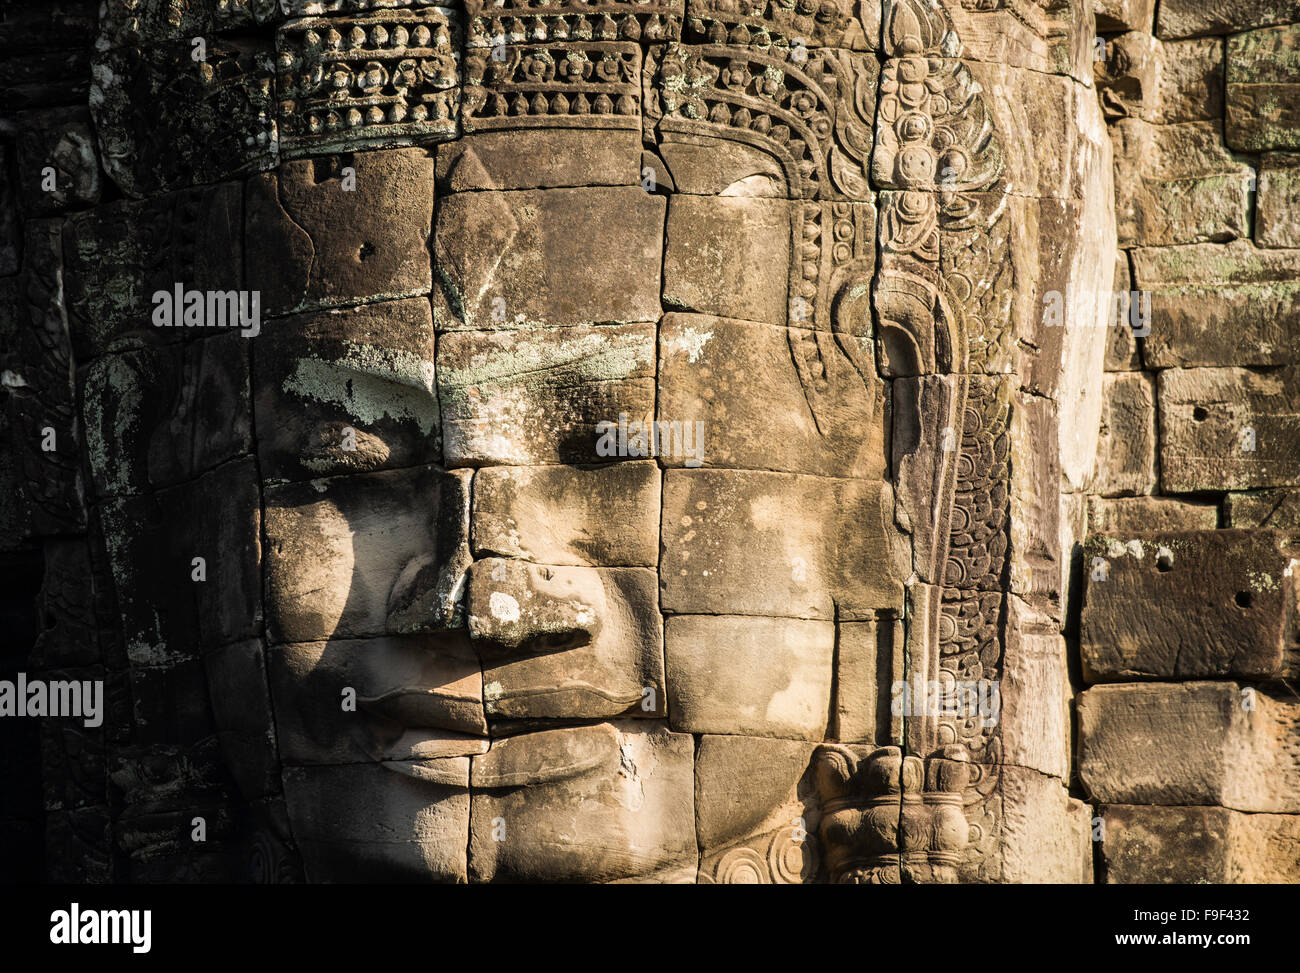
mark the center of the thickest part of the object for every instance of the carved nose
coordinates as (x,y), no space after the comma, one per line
(517,604)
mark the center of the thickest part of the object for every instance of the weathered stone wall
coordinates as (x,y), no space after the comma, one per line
(932,543)
(1189,735)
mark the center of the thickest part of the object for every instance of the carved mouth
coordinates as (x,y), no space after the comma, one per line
(528,759)
(416,708)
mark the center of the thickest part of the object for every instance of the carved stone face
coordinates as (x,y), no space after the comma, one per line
(473,522)
(609,446)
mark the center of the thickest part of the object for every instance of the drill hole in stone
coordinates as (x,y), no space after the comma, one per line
(1165,562)
(367,250)
(1200,413)
(1242,599)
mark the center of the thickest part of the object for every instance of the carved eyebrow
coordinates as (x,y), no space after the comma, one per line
(369,395)
(396,365)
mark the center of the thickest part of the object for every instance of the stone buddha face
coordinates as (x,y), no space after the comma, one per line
(605,440)
(612,490)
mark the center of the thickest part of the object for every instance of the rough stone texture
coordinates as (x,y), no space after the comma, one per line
(745,382)
(1177,81)
(1198,845)
(1123,349)
(749,676)
(606,516)
(560,642)
(1277,208)
(1188,605)
(1220,305)
(1187,18)
(537,397)
(118,255)
(1034,705)
(167,121)
(1178,184)
(1262,67)
(605,802)
(215,517)
(1127,448)
(540,159)
(536,259)
(1124,14)
(1126,515)
(1190,743)
(416,699)
(365,555)
(368,369)
(1232,428)
(59,146)
(720,526)
(160,415)
(390,821)
(1279,509)
(1049,836)
(756,811)
(728,256)
(498,285)
(312,242)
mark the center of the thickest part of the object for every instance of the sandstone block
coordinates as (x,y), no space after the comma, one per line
(1279,509)
(1262,68)
(1126,451)
(1115,15)
(756,811)
(1122,345)
(119,254)
(730,256)
(1188,605)
(565,642)
(753,387)
(1046,835)
(392,821)
(1178,184)
(1189,18)
(1228,428)
(152,542)
(1198,845)
(166,122)
(759,543)
(605,516)
(416,698)
(540,397)
(1277,208)
(156,416)
(1216,743)
(347,391)
(241,710)
(368,554)
(540,159)
(1126,515)
(545,258)
(1220,305)
(584,804)
(749,676)
(314,243)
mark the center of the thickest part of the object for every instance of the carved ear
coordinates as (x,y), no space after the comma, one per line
(905,338)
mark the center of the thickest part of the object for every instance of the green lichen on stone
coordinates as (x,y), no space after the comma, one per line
(370,383)
(588,359)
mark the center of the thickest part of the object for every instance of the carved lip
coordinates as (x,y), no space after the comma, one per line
(421,708)
(527,759)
